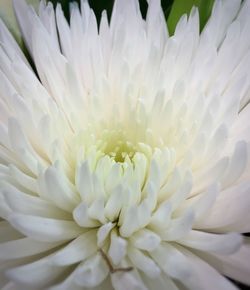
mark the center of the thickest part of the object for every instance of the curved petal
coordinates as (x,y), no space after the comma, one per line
(230,211)
(215,243)
(204,276)
(235,266)
(43,273)
(44,229)
(23,248)
(78,250)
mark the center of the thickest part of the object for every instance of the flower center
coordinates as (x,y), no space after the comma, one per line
(115,144)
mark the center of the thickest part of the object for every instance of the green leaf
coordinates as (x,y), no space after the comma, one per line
(205,9)
(181,7)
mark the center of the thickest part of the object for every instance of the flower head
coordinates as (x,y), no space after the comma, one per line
(125,156)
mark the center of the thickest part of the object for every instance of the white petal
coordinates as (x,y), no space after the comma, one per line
(230,211)
(171,261)
(144,263)
(117,249)
(202,203)
(172,185)
(23,248)
(8,40)
(22,147)
(237,164)
(183,191)
(96,210)
(156,26)
(43,273)
(135,217)
(216,243)
(76,251)
(44,229)
(241,127)
(81,216)
(218,140)
(64,31)
(12,286)
(204,276)
(91,272)
(145,240)
(47,16)
(161,217)
(207,176)
(103,233)
(23,18)
(84,182)
(23,203)
(58,190)
(114,203)
(235,266)
(23,179)
(124,281)
(161,282)
(69,283)
(223,13)
(178,227)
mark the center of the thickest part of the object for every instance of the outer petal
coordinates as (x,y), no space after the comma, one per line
(204,276)
(230,211)
(39,273)
(23,247)
(45,229)
(235,266)
(241,127)
(216,243)
(78,250)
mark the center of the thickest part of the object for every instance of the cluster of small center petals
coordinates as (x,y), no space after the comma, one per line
(124,210)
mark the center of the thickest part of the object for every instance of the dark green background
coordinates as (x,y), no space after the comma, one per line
(173,9)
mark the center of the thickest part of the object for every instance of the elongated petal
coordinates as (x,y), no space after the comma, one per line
(172,261)
(91,272)
(144,263)
(23,203)
(118,248)
(44,229)
(23,247)
(78,250)
(230,210)
(235,265)
(58,190)
(215,243)
(205,275)
(42,273)
(146,240)
(121,281)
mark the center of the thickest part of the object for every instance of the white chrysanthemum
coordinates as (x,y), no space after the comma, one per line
(125,164)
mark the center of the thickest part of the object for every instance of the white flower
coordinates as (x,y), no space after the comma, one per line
(125,164)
